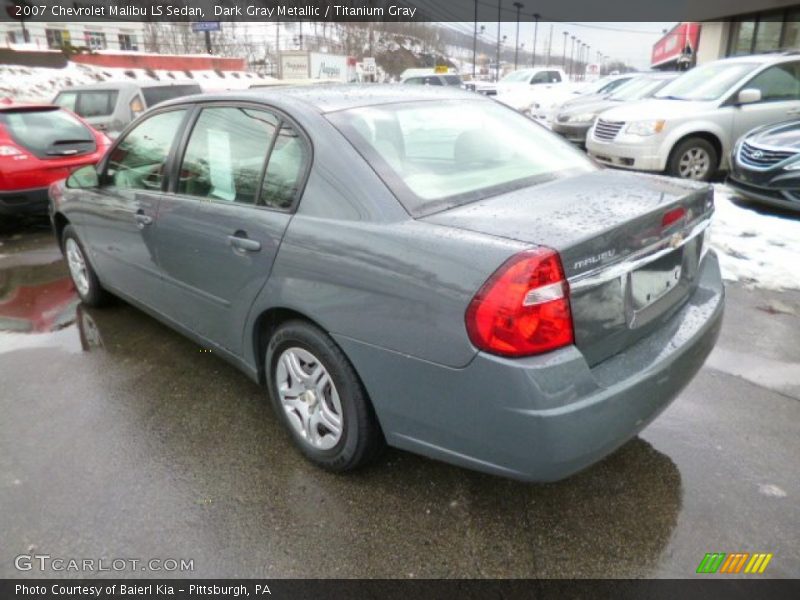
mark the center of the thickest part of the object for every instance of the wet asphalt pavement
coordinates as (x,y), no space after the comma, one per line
(121,439)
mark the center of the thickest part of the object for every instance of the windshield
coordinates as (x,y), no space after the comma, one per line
(707,82)
(522,75)
(48,132)
(636,89)
(434,155)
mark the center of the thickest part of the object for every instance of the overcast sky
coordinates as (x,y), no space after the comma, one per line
(629,42)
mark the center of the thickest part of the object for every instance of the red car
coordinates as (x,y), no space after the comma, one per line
(40,144)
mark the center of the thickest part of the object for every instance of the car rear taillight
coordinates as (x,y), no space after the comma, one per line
(9,150)
(523,308)
(673,216)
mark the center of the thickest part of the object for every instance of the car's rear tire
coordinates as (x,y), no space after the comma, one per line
(318,396)
(81,271)
(694,158)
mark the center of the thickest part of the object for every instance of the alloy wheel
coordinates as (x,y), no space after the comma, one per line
(309,397)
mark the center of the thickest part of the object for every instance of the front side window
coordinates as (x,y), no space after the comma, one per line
(139,160)
(438,154)
(780,82)
(541,77)
(706,82)
(225,155)
(68,100)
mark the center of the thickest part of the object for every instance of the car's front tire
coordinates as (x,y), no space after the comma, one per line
(694,158)
(81,271)
(318,396)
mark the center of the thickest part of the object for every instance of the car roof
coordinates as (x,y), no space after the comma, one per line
(335,97)
(127,85)
(763,58)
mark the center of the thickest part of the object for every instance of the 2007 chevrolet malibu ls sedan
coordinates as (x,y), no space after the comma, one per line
(423,268)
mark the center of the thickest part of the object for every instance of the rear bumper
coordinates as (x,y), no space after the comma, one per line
(24,202)
(540,418)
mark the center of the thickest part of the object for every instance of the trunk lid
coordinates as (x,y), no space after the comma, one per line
(628,271)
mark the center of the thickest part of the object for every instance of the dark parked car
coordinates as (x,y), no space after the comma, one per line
(422,267)
(765,165)
(575,119)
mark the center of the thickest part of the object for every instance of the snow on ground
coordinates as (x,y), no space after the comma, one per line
(40,84)
(757,247)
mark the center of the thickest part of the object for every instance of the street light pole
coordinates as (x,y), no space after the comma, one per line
(571,54)
(535,33)
(564,56)
(518,6)
(497,62)
(475,41)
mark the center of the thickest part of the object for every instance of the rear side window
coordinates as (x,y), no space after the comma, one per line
(138,161)
(452,79)
(225,156)
(49,132)
(96,103)
(90,103)
(287,164)
(161,93)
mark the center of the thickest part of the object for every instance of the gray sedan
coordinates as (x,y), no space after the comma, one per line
(419,267)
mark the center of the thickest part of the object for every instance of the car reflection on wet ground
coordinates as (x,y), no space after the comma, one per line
(119,437)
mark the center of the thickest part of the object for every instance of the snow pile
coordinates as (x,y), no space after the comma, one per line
(758,248)
(41,84)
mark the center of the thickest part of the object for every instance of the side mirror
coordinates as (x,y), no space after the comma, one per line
(749,95)
(84,178)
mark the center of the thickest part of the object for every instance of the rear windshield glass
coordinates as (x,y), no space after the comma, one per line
(154,95)
(47,131)
(434,155)
(90,103)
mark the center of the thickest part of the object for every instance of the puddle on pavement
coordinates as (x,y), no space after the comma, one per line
(39,308)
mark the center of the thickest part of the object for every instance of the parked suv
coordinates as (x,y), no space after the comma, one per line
(690,126)
(110,106)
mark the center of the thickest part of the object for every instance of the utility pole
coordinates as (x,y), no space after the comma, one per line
(497,64)
(518,6)
(475,41)
(208,41)
(535,32)
(549,45)
(564,56)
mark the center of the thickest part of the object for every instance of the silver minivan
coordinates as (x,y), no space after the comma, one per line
(689,127)
(110,106)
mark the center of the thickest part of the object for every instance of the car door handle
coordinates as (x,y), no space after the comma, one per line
(244,243)
(142,219)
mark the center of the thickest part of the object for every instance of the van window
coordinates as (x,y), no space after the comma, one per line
(97,104)
(780,82)
(138,161)
(225,155)
(161,93)
(89,103)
